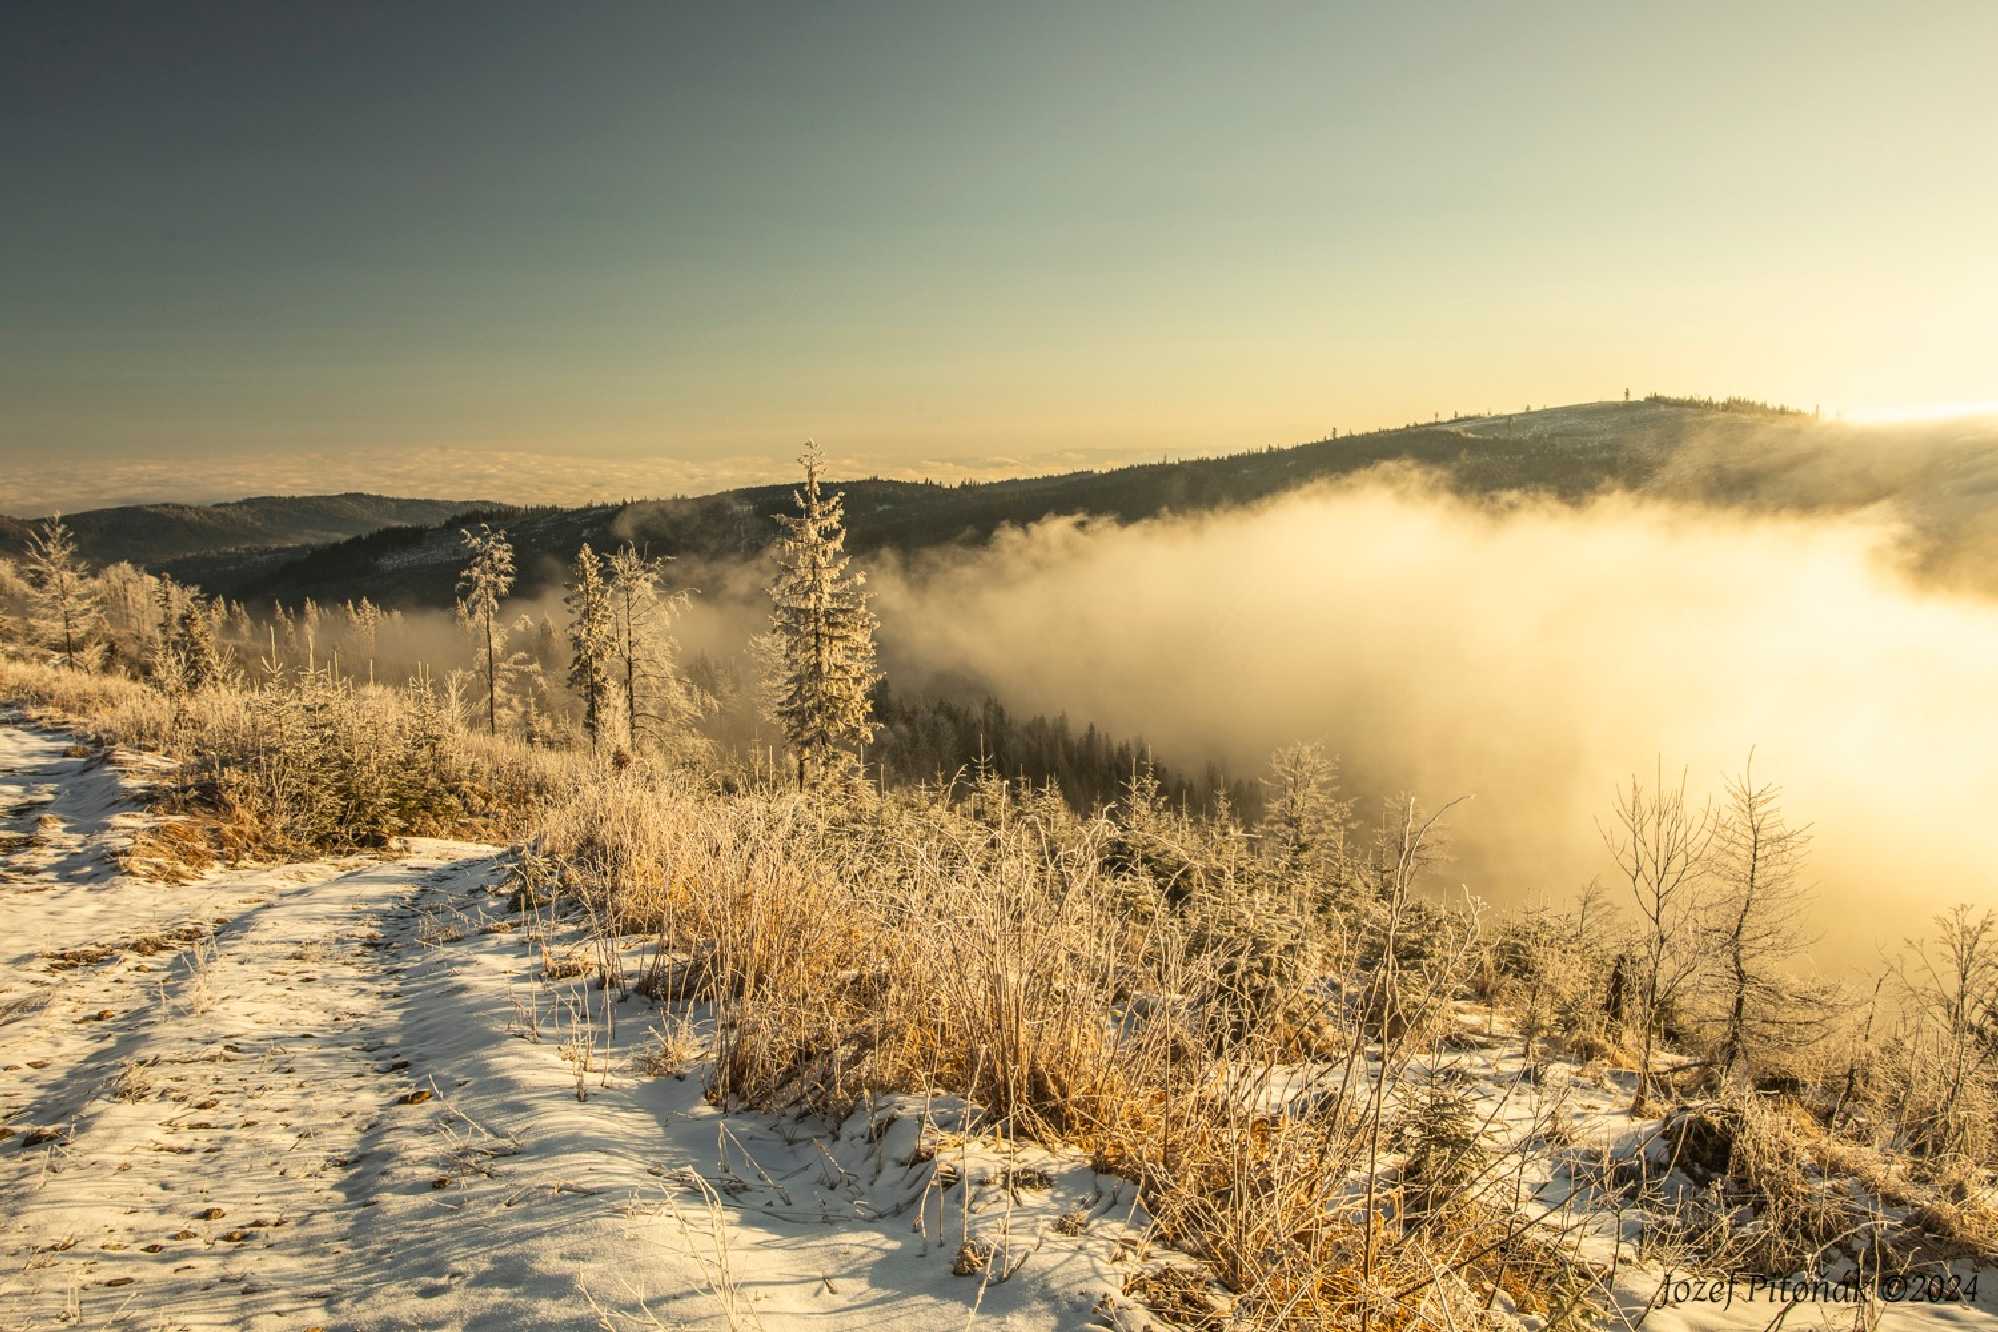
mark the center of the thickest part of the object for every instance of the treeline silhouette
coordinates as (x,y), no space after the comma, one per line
(1743,406)
(933,738)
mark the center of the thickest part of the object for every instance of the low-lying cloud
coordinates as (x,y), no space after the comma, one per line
(1530,655)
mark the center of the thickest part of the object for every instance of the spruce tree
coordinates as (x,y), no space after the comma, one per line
(62,596)
(486,579)
(1304,820)
(186,659)
(169,599)
(821,645)
(200,660)
(656,698)
(592,642)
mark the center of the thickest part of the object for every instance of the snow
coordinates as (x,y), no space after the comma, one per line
(349,1095)
(1591,422)
(350,1103)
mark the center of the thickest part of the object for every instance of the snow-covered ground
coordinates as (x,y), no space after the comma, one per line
(345,1095)
(369,1094)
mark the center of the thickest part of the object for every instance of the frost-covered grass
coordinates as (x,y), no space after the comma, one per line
(352,1094)
(1273,1060)
(1334,1101)
(992,952)
(307,764)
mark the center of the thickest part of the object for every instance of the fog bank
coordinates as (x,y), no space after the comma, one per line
(1529,655)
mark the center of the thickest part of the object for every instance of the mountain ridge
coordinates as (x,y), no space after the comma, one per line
(1942,480)
(1568,453)
(152,534)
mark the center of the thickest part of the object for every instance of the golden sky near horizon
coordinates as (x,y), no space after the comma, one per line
(671,245)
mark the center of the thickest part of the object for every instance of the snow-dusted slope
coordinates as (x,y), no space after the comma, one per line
(344,1095)
(369,1094)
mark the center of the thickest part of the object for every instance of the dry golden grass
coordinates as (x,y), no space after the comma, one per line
(1000,952)
(300,766)
(174,850)
(1133,985)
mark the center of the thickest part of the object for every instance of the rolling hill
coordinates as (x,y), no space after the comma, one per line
(415,566)
(1941,480)
(152,534)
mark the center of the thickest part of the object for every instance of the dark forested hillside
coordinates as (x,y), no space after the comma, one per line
(1725,453)
(151,534)
(419,568)
(933,739)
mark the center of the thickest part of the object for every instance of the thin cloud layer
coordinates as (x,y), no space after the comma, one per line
(30,488)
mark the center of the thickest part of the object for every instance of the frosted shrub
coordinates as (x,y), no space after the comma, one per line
(308,764)
(327,764)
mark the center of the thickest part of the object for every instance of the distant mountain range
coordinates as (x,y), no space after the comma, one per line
(152,534)
(1942,478)
(412,565)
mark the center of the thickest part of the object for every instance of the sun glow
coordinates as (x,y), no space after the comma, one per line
(1927,411)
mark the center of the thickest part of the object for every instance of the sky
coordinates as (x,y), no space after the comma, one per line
(587,250)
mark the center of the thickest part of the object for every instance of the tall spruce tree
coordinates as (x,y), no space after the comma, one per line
(62,596)
(821,645)
(169,599)
(485,581)
(592,643)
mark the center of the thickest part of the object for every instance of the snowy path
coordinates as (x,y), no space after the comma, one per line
(344,1095)
(338,1095)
